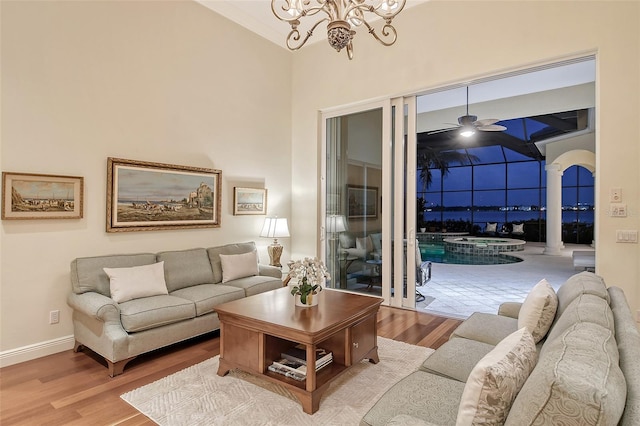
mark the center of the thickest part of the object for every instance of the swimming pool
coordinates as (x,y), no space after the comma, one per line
(435,252)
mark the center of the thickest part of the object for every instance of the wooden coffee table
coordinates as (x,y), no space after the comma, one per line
(255,330)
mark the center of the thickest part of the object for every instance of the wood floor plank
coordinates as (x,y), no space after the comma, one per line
(75,389)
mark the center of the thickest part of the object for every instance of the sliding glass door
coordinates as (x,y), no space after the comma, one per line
(368,170)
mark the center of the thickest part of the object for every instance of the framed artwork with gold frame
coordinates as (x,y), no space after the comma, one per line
(41,196)
(145,196)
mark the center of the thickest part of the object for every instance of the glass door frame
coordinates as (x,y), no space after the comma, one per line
(398,179)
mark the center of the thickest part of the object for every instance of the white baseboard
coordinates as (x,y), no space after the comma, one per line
(37,350)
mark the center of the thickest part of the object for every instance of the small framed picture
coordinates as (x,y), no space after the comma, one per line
(36,196)
(362,202)
(249,201)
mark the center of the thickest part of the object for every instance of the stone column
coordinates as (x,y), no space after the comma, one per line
(554,210)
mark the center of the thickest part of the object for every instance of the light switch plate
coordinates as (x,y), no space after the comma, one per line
(618,210)
(627,236)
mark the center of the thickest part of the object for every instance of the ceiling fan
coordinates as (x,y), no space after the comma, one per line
(468,124)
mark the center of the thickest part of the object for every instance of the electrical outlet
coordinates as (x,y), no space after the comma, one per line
(54,317)
(615,195)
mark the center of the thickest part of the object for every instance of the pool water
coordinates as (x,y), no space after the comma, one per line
(436,253)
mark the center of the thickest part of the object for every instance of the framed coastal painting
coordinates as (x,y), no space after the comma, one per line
(36,196)
(144,196)
(362,202)
(249,201)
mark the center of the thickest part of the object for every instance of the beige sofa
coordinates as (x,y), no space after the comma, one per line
(587,371)
(195,282)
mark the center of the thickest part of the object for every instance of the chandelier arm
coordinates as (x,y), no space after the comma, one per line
(375,9)
(294,35)
(282,12)
(388,32)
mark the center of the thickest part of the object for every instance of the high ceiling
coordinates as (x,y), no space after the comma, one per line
(534,106)
(256,15)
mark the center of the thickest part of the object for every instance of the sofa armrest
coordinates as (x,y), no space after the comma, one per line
(95,306)
(510,309)
(270,271)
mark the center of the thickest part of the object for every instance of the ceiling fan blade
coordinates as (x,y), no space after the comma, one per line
(486,121)
(433,132)
(492,128)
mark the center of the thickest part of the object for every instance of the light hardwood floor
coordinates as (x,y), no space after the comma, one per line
(75,389)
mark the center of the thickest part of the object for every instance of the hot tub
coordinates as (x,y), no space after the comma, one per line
(479,246)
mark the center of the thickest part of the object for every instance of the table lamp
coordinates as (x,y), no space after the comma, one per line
(275,227)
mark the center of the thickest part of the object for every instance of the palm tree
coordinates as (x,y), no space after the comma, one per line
(431,159)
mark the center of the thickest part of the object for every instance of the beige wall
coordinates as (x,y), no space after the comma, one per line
(442,42)
(173,82)
(167,82)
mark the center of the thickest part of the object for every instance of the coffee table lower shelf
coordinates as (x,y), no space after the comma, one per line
(309,399)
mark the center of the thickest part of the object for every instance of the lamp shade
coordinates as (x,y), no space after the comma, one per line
(275,227)
(336,223)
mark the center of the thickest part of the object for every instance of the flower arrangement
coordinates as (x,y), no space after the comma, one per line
(310,273)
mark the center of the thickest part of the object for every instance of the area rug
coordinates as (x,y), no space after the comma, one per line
(198,396)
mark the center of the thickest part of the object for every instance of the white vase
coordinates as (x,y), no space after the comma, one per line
(312,300)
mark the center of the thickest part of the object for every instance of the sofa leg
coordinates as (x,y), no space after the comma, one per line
(116,368)
(77,346)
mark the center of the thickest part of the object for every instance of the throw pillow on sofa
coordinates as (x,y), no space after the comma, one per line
(365,244)
(136,282)
(496,380)
(235,266)
(538,310)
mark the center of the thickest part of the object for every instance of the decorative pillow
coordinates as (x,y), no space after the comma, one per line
(236,266)
(538,310)
(136,282)
(518,228)
(491,227)
(496,380)
(347,240)
(364,243)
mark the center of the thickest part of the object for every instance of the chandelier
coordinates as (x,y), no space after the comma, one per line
(342,16)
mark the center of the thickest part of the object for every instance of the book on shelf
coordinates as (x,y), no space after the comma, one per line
(286,372)
(298,353)
(298,367)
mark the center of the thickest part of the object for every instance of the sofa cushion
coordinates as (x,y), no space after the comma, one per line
(376,240)
(236,266)
(538,310)
(347,240)
(184,268)
(487,328)
(155,311)
(466,354)
(628,339)
(256,284)
(207,296)
(496,380)
(406,420)
(364,243)
(87,273)
(582,283)
(136,281)
(431,398)
(577,381)
(584,308)
(215,252)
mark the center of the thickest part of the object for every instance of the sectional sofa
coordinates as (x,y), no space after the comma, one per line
(576,362)
(127,304)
